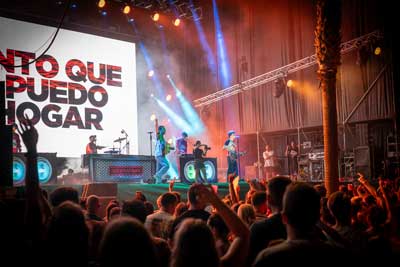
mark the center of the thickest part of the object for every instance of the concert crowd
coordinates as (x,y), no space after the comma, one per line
(279,222)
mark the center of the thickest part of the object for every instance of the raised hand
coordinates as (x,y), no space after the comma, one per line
(29,134)
(171,184)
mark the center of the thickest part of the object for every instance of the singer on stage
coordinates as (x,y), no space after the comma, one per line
(161,150)
(230,147)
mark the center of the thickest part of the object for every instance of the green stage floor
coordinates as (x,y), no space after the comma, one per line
(126,191)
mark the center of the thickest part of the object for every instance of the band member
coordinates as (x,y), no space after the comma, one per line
(181,144)
(91,147)
(292,153)
(200,168)
(230,146)
(269,162)
(16,140)
(161,150)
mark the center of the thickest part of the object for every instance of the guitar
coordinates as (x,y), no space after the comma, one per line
(234,155)
(168,148)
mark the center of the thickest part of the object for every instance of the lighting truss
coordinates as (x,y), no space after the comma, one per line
(183,8)
(304,63)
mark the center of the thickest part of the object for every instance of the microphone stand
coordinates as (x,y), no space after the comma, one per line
(126,143)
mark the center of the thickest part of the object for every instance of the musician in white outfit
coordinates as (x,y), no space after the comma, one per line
(269,162)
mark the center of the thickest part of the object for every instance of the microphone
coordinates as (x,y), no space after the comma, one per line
(122,131)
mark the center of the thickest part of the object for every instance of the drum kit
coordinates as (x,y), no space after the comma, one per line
(114,150)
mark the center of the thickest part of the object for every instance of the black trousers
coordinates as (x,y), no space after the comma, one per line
(232,167)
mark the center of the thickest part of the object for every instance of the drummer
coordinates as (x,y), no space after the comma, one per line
(91,147)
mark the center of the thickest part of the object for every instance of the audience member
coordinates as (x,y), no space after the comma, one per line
(301,206)
(127,243)
(272,228)
(159,224)
(259,202)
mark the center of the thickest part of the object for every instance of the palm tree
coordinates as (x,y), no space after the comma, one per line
(327,45)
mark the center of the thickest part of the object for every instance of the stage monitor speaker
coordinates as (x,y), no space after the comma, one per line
(188,173)
(362,160)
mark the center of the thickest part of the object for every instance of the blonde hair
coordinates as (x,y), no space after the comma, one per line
(247,214)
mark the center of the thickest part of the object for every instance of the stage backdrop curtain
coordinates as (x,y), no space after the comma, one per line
(264,35)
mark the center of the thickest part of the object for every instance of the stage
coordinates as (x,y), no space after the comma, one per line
(126,191)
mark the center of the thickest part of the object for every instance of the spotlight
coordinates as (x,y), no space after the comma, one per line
(168,76)
(170,141)
(101,3)
(155,16)
(151,95)
(103,13)
(153,117)
(290,83)
(377,51)
(74,5)
(177,22)
(168,98)
(150,73)
(127,9)
(131,20)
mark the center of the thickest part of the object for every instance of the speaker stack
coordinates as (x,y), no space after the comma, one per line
(45,165)
(187,172)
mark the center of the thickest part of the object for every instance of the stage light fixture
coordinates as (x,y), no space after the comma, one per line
(155,16)
(131,20)
(74,5)
(127,9)
(101,3)
(151,95)
(153,117)
(177,22)
(290,83)
(168,98)
(168,76)
(279,87)
(103,13)
(150,73)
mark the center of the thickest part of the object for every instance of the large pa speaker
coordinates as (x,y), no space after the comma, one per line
(45,164)
(188,173)
(362,160)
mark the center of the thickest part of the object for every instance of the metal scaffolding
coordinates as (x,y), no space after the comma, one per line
(283,71)
(181,8)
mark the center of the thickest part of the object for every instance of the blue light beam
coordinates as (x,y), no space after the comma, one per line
(175,118)
(223,60)
(203,40)
(190,113)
